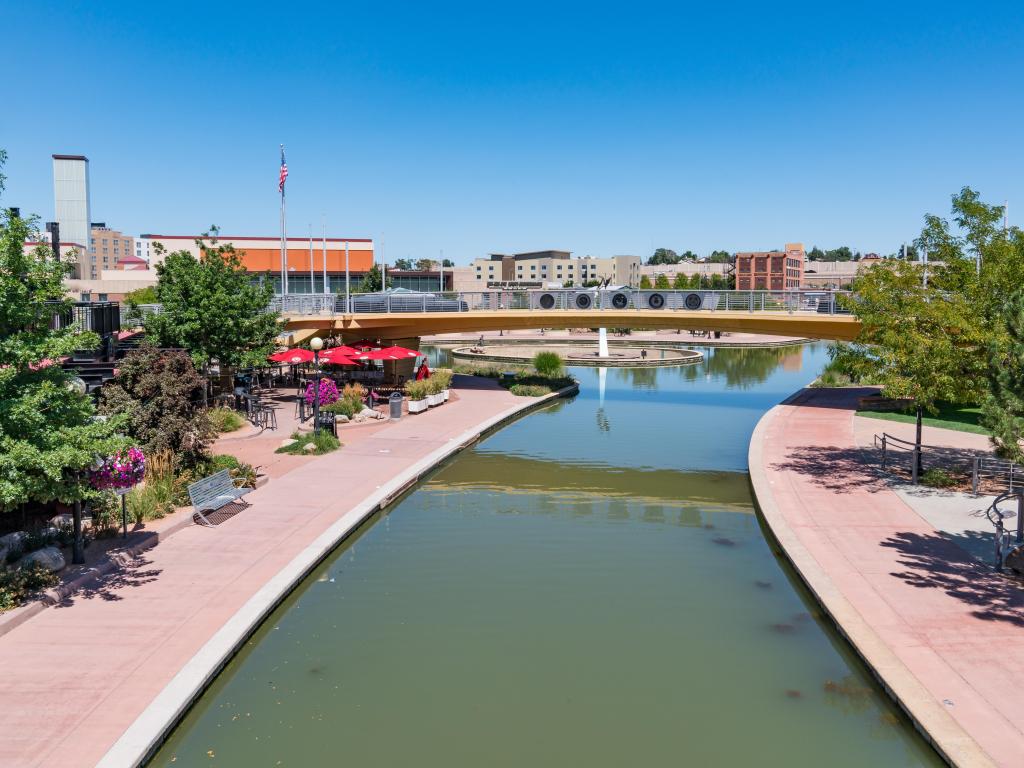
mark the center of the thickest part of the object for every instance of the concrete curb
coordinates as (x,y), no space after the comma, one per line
(150,729)
(938,727)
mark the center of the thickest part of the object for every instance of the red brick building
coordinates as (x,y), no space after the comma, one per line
(771,270)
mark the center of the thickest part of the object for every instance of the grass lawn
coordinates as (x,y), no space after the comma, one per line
(959,417)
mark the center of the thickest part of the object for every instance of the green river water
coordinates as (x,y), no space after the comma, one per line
(588,586)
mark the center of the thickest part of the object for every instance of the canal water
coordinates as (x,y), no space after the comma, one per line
(588,586)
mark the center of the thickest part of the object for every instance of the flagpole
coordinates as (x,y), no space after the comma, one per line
(323,223)
(284,237)
(348,303)
(312,278)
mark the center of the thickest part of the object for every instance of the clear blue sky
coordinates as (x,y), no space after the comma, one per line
(479,127)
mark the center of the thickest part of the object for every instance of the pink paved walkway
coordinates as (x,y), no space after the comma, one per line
(76,676)
(945,632)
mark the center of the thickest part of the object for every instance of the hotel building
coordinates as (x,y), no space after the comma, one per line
(540,269)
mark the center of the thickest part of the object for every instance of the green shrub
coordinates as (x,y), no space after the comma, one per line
(325,442)
(547,363)
(224,419)
(937,478)
(344,408)
(530,390)
(154,499)
(443,377)
(18,584)
(417,390)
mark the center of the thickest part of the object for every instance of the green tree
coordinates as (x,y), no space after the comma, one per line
(664,256)
(1003,408)
(661,282)
(815,254)
(645,282)
(922,343)
(447,263)
(403,264)
(212,307)
(688,256)
(371,281)
(49,437)
(680,282)
(720,257)
(424,265)
(159,392)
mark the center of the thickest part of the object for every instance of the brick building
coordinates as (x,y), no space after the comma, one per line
(771,270)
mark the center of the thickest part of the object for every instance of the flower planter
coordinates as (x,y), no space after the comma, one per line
(417,406)
(444,395)
(435,399)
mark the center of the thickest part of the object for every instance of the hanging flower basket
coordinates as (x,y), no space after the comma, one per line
(122,470)
(328,392)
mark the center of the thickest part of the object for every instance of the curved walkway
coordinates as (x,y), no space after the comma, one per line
(96,679)
(944,633)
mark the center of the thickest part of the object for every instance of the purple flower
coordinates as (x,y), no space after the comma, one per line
(122,470)
(327,392)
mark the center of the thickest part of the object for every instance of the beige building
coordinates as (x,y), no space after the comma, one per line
(538,269)
(686,268)
(106,251)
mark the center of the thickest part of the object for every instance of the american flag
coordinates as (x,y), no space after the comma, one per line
(284,172)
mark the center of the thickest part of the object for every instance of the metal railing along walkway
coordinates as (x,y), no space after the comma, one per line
(568,299)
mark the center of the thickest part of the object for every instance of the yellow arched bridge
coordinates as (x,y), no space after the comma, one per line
(408,315)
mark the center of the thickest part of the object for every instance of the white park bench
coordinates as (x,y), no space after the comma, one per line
(213,492)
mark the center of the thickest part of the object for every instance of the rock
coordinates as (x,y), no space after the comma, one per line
(10,542)
(288,443)
(49,557)
(369,413)
(341,418)
(359,418)
(1015,560)
(309,447)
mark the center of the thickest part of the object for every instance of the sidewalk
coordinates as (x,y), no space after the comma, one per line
(77,675)
(944,632)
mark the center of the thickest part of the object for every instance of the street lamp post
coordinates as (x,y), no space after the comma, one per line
(316,344)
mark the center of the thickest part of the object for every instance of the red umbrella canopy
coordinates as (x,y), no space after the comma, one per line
(342,350)
(365,344)
(400,353)
(292,356)
(335,357)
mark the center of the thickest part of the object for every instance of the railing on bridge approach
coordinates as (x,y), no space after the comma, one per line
(568,299)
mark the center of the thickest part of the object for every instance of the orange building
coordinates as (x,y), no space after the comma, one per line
(262,255)
(770,270)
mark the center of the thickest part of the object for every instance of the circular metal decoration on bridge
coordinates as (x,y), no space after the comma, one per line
(583,301)
(547,301)
(656,301)
(620,301)
(693,301)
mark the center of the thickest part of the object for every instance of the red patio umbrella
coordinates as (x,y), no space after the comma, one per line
(365,344)
(400,353)
(292,356)
(343,350)
(335,357)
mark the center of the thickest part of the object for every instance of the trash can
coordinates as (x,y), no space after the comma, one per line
(508,376)
(396,405)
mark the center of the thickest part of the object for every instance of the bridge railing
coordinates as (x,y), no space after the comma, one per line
(569,299)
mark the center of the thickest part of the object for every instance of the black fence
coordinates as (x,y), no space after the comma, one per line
(101,317)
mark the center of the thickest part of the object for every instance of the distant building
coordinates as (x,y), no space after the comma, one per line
(108,247)
(771,270)
(421,279)
(262,256)
(71,198)
(687,268)
(537,269)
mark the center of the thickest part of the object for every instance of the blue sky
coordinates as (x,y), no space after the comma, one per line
(479,127)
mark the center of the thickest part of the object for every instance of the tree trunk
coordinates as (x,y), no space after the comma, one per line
(918,464)
(77,546)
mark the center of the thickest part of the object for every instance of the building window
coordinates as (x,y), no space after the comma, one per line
(102,297)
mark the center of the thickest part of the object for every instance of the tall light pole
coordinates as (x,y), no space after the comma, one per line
(316,344)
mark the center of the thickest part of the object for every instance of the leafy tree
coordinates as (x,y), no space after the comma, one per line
(447,263)
(139,296)
(49,438)
(424,265)
(681,282)
(645,282)
(1003,408)
(720,257)
(661,282)
(694,281)
(212,308)
(160,392)
(664,256)
(922,343)
(815,254)
(371,281)
(403,264)
(688,256)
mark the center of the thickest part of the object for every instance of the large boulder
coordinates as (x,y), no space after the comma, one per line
(11,542)
(49,557)
(369,413)
(288,442)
